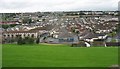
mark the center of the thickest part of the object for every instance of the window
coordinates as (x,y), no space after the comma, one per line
(24,35)
(4,35)
(12,36)
(28,35)
(8,35)
(32,35)
(16,35)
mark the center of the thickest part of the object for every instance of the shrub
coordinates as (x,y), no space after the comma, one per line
(37,41)
(20,41)
(26,40)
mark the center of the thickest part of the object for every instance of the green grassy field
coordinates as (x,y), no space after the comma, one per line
(53,55)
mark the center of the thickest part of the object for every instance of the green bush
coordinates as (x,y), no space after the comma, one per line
(26,40)
(7,26)
(37,41)
(20,41)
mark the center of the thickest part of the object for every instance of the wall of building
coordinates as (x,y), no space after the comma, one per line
(23,35)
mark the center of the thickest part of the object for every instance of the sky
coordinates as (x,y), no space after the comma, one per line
(8,6)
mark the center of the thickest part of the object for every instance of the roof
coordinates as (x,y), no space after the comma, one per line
(48,27)
(20,31)
(9,22)
(91,35)
(64,33)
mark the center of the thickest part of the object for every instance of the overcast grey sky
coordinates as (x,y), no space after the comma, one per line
(57,5)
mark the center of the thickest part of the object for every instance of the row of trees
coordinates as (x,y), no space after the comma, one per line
(29,20)
(19,40)
(26,40)
(8,26)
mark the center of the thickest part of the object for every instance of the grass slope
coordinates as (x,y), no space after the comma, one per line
(45,55)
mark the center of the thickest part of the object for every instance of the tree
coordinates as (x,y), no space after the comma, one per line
(28,40)
(27,20)
(43,20)
(8,26)
(37,41)
(20,41)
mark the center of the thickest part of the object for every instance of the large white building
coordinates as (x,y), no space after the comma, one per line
(23,34)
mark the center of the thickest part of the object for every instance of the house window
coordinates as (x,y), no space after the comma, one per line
(32,35)
(12,36)
(8,35)
(16,35)
(28,35)
(24,35)
(20,35)
(4,35)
